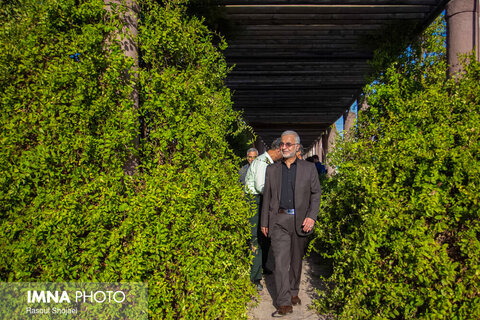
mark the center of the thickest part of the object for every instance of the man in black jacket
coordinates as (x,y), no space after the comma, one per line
(291,199)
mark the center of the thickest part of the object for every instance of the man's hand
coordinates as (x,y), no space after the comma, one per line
(265,231)
(308,224)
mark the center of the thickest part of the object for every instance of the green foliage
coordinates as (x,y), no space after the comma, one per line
(190,179)
(242,139)
(388,42)
(68,211)
(400,219)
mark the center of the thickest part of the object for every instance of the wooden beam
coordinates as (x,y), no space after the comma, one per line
(322,18)
(305,81)
(299,64)
(346,72)
(252,69)
(286,87)
(296,45)
(269,99)
(231,55)
(312,94)
(326,9)
(295,41)
(330,2)
(309,28)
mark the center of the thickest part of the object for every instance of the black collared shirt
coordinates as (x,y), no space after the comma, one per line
(287,197)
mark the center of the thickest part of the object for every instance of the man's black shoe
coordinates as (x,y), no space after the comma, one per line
(282,311)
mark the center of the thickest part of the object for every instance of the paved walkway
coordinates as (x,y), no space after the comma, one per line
(312,270)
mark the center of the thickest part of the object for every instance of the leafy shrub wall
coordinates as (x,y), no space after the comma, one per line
(401,218)
(68,211)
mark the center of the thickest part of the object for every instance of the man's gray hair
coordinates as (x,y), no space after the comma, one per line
(293,133)
(276,144)
(252,150)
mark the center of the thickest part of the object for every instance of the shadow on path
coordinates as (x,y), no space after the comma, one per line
(314,266)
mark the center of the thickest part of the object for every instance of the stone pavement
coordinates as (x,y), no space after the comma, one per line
(313,268)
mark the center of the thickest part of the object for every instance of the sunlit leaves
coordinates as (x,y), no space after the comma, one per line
(401,218)
(69,212)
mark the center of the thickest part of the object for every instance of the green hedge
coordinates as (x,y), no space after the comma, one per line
(400,220)
(68,211)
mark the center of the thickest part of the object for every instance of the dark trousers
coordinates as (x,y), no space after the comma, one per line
(288,250)
(258,242)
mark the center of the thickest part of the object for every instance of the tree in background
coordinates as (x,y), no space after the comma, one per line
(400,220)
(68,211)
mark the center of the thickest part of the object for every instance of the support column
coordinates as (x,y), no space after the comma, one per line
(345,116)
(328,143)
(332,136)
(462,32)
(324,149)
(348,124)
(128,34)
(127,39)
(319,152)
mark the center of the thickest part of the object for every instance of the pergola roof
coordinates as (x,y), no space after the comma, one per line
(300,64)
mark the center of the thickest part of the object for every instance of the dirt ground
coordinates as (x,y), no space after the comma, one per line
(313,268)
